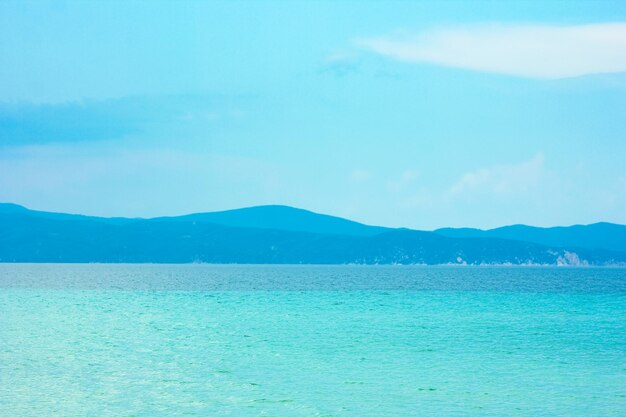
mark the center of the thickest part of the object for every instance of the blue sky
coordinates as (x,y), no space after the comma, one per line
(413,114)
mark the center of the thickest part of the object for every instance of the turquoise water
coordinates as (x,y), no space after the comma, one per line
(198,340)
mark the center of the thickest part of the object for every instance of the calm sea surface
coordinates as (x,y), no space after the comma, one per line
(201,340)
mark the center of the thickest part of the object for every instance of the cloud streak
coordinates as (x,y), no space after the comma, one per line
(531,51)
(501,179)
(89,120)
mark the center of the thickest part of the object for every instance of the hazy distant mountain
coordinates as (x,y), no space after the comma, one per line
(32,236)
(263,217)
(594,236)
(10,208)
(283,218)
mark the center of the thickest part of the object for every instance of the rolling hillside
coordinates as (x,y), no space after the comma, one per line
(269,234)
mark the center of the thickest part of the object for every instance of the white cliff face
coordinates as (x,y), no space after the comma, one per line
(571,259)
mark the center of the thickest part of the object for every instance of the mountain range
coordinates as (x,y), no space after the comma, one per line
(287,235)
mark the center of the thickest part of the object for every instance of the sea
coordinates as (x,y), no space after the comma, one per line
(297,340)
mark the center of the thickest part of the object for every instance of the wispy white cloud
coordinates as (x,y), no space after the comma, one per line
(360,175)
(407,178)
(341,56)
(534,51)
(340,63)
(501,179)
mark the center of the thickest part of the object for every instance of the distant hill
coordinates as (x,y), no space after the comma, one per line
(263,217)
(283,218)
(594,236)
(33,236)
(10,208)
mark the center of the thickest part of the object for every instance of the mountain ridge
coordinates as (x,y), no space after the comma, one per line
(600,235)
(39,239)
(282,217)
(33,236)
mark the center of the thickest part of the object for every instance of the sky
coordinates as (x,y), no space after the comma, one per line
(413,114)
